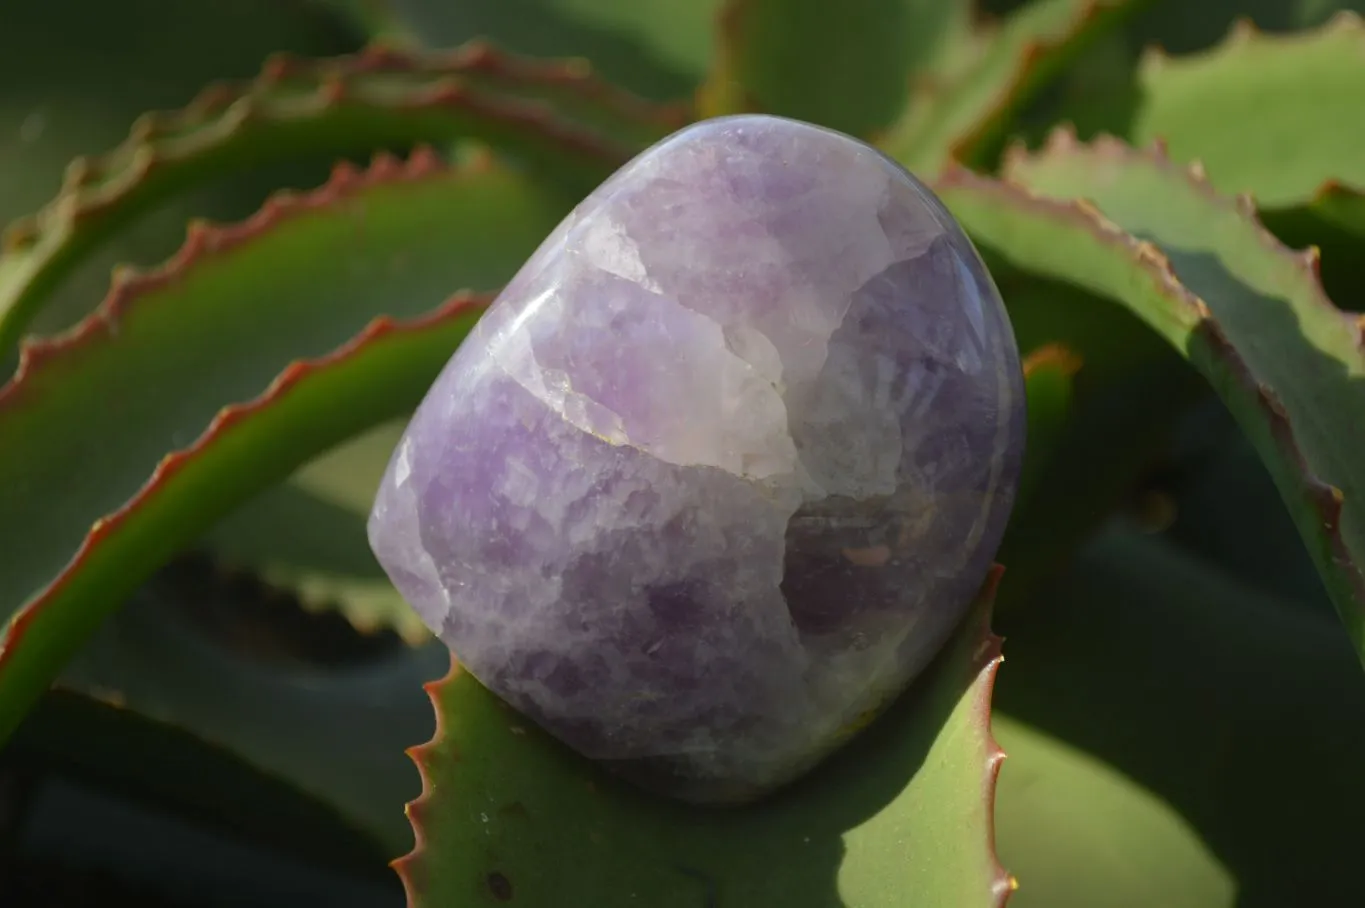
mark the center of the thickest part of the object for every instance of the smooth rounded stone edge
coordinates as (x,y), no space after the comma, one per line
(723,466)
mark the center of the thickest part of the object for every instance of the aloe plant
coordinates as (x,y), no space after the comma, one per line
(189,448)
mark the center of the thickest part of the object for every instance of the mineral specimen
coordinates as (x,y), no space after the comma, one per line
(725,463)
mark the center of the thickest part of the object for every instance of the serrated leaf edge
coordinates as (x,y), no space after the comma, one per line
(205,241)
(294,374)
(983,668)
(93,186)
(1325,499)
(1245,35)
(986,666)
(992,118)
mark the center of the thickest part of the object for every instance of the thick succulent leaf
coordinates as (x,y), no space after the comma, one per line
(1254,317)
(193,387)
(1275,115)
(659,49)
(61,99)
(308,536)
(1078,833)
(845,65)
(1183,28)
(1229,513)
(298,695)
(554,116)
(102,743)
(901,818)
(1126,402)
(1251,317)
(968,118)
(1244,714)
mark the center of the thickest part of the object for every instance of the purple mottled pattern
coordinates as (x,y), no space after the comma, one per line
(725,463)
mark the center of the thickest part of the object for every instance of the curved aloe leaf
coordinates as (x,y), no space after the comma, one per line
(554,115)
(967,119)
(659,49)
(1275,115)
(1241,712)
(1079,833)
(255,349)
(1127,400)
(1247,312)
(238,664)
(901,817)
(308,536)
(843,65)
(103,743)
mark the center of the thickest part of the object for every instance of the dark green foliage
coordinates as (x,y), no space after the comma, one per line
(1181,708)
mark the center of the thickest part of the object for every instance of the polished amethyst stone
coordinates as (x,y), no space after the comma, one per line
(723,466)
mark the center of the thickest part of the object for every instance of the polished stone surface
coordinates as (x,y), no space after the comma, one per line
(724,464)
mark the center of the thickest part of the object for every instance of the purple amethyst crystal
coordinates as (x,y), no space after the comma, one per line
(724,465)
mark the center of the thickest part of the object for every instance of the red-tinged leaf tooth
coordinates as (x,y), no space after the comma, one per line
(1197,171)
(1053,355)
(19,235)
(279,67)
(202,239)
(1016,150)
(1243,31)
(478,52)
(424,160)
(146,127)
(408,867)
(1244,204)
(332,89)
(1152,58)
(385,56)
(1310,259)
(985,666)
(1061,138)
(78,173)
(225,421)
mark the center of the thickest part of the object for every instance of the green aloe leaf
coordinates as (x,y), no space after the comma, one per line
(297,694)
(1240,109)
(1078,833)
(1242,713)
(308,536)
(102,743)
(659,49)
(1203,273)
(1126,402)
(901,818)
(554,116)
(194,386)
(845,65)
(967,118)
(60,100)
(1183,28)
